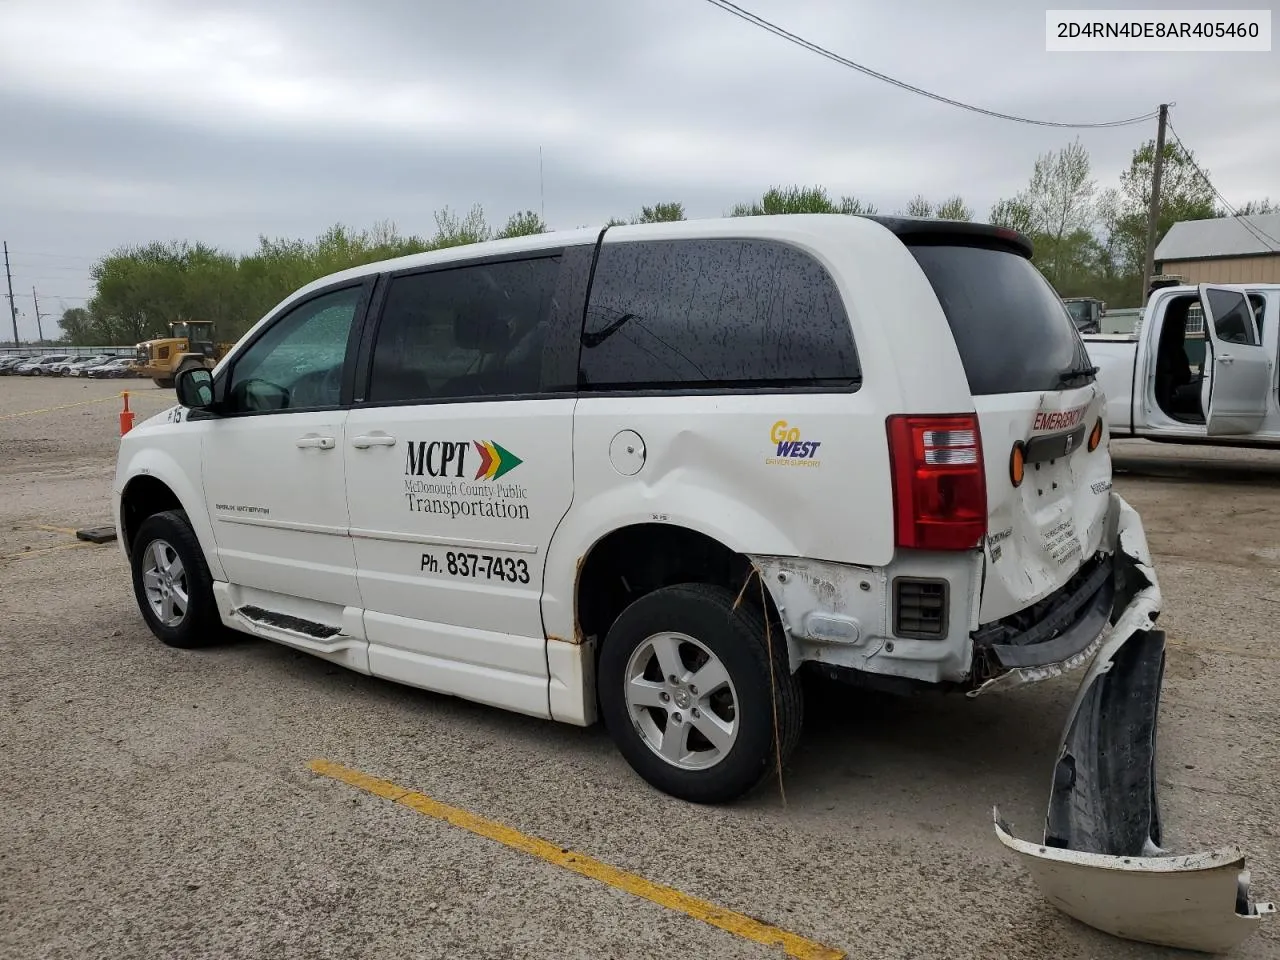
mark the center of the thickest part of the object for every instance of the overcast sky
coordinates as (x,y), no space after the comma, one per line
(127,121)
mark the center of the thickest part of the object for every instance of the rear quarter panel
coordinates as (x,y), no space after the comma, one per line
(710,461)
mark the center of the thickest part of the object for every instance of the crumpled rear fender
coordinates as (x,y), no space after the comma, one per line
(1101,859)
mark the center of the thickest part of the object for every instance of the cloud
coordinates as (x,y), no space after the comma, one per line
(132,120)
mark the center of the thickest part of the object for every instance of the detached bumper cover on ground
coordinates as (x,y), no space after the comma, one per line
(1101,860)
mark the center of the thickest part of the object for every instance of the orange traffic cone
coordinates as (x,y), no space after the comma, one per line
(126,415)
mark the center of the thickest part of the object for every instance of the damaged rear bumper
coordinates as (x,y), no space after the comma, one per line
(1101,859)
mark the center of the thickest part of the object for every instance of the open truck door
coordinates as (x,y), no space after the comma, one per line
(1237,370)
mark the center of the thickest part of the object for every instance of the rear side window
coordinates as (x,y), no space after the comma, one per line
(714,313)
(1013,332)
(470,331)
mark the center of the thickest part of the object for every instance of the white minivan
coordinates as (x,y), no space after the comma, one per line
(658,473)
(654,473)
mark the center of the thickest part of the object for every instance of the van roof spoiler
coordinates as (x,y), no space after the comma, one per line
(920,230)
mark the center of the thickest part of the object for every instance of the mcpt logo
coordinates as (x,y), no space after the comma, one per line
(790,449)
(495,460)
(449,458)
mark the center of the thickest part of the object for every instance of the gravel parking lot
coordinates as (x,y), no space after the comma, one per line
(159,803)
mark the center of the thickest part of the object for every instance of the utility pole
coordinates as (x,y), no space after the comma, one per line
(1153,212)
(39,328)
(13,307)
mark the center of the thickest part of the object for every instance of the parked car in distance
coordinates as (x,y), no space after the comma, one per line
(41,366)
(61,369)
(9,364)
(78,366)
(112,369)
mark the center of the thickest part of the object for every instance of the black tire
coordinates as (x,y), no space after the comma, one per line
(162,382)
(189,364)
(737,637)
(200,625)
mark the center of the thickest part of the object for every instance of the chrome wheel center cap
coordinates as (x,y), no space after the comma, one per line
(682,699)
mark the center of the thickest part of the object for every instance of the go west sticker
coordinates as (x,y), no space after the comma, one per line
(790,449)
(438,480)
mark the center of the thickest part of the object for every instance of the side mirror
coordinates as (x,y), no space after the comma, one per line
(194,388)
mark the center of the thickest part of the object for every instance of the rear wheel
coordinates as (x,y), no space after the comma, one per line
(160,382)
(172,583)
(690,695)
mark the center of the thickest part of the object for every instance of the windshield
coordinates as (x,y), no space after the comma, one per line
(1079,311)
(1010,327)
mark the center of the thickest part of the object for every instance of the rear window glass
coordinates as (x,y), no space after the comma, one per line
(708,314)
(1013,333)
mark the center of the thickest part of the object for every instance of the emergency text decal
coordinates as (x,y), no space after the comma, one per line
(1049,421)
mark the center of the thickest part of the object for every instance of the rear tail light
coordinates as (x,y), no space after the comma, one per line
(939,485)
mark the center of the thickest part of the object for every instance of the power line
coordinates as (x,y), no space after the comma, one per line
(1257,232)
(60,256)
(778,31)
(49,267)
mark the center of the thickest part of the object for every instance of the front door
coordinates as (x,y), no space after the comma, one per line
(459,468)
(274,475)
(1237,368)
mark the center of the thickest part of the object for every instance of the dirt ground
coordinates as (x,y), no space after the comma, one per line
(158,803)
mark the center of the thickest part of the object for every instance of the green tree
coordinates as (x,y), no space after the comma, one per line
(853,207)
(1013,214)
(1184,195)
(77,326)
(918,206)
(1058,210)
(523,224)
(453,230)
(954,208)
(661,213)
(796,199)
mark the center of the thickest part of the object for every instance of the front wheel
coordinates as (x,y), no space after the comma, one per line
(161,382)
(172,583)
(690,696)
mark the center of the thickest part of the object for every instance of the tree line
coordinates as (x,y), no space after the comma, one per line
(1088,242)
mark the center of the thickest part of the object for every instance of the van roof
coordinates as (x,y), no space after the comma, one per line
(917,229)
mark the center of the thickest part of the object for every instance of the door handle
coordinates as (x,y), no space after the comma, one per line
(322,443)
(1227,358)
(377,440)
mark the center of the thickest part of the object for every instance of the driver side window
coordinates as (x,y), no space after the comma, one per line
(297,363)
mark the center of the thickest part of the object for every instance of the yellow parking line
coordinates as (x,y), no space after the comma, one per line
(39,551)
(735,923)
(63,406)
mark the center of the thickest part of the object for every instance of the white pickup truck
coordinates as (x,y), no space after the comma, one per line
(1201,367)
